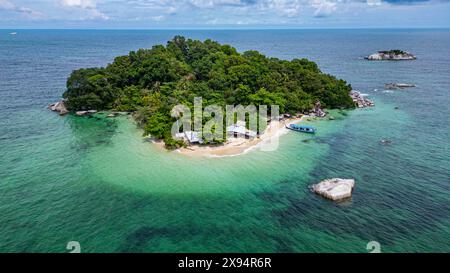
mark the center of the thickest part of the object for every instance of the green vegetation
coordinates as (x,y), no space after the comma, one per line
(394,52)
(150,82)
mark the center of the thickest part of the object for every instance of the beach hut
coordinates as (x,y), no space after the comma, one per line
(239,129)
(234,129)
(193,137)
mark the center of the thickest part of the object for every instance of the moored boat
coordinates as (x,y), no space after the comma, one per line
(302,128)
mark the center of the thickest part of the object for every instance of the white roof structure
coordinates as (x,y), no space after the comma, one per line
(192,137)
(251,133)
(236,128)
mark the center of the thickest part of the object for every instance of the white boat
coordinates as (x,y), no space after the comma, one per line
(13,33)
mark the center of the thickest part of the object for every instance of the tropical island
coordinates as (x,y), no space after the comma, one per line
(150,82)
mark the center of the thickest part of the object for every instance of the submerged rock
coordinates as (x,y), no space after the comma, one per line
(59,107)
(113,115)
(81,113)
(85,113)
(335,189)
(391,55)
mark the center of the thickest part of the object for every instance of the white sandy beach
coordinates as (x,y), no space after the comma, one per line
(238,146)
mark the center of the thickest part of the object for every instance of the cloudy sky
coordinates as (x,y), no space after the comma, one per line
(223,13)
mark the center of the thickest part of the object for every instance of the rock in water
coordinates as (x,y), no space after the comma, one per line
(113,115)
(318,111)
(359,99)
(86,113)
(392,86)
(81,113)
(59,107)
(335,189)
(391,55)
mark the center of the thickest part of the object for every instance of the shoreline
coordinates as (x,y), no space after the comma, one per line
(231,148)
(239,146)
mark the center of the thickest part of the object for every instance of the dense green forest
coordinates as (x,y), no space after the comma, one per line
(150,82)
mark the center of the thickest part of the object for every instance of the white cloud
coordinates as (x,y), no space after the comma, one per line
(197,12)
(374,2)
(171,10)
(324,8)
(84,4)
(158,18)
(7,5)
(289,8)
(90,6)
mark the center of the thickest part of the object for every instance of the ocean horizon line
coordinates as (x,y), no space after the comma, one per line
(237,28)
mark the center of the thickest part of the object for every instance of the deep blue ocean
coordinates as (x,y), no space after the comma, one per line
(97,182)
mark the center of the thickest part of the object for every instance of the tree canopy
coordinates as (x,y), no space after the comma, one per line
(150,82)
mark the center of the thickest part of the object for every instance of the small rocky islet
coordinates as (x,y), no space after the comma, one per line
(335,189)
(395,86)
(391,55)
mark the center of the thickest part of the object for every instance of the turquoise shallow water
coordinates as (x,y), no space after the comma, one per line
(98,182)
